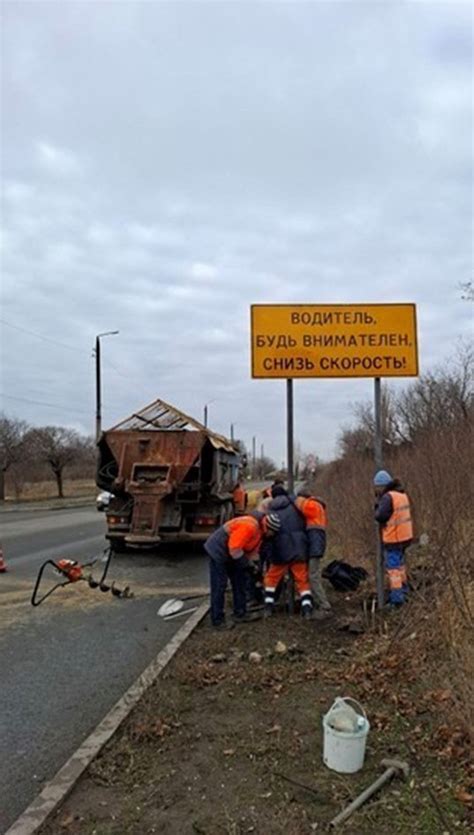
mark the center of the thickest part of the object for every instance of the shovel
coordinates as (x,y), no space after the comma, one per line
(174,607)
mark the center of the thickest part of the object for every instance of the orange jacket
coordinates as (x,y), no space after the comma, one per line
(399,527)
(313,511)
(244,537)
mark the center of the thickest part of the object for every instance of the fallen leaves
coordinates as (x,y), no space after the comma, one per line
(276,729)
(439,695)
(156,729)
(464,796)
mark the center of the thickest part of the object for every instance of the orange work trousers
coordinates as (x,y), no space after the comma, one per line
(300,572)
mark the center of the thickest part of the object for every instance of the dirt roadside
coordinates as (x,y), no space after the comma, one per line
(213,746)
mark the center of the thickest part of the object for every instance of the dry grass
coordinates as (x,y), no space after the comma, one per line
(35,491)
(435,472)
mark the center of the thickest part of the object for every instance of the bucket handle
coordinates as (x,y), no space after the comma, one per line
(354,701)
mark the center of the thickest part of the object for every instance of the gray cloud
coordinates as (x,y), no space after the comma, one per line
(166,165)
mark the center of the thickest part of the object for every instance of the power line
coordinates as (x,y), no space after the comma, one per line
(62,345)
(43,403)
(40,336)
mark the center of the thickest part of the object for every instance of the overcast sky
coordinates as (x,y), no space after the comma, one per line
(165,165)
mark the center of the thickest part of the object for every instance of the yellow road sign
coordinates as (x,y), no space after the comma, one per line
(334,340)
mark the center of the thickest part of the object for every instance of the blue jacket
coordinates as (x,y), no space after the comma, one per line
(291,542)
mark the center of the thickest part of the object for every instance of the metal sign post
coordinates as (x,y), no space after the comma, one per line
(289,433)
(378,459)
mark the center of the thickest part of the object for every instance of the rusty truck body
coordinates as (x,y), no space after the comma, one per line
(171,478)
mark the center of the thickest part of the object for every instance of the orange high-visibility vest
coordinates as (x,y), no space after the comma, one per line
(244,534)
(314,512)
(399,527)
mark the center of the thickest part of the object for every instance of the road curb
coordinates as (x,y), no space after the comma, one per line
(57,789)
(36,507)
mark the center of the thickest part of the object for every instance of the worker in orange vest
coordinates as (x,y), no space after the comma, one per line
(315,514)
(240,499)
(230,548)
(289,552)
(393,513)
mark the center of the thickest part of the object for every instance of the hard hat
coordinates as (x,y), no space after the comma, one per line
(382,478)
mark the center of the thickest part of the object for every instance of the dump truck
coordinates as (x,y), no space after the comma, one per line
(170,477)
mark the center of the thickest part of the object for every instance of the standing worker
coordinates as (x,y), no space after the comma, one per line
(229,548)
(288,552)
(315,514)
(239,499)
(267,495)
(393,513)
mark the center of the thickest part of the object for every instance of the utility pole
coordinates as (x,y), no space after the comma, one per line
(232,432)
(254,455)
(206,413)
(98,391)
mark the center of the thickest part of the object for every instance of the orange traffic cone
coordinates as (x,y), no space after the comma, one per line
(3,565)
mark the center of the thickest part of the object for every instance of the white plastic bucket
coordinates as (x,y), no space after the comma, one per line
(344,751)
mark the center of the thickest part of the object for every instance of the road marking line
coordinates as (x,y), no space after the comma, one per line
(57,789)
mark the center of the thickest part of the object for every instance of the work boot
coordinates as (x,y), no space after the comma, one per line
(248,617)
(322,614)
(392,608)
(307,612)
(254,606)
(268,611)
(223,626)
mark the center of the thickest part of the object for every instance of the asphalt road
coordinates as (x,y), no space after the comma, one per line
(64,664)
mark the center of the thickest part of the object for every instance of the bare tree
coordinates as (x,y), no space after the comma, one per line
(263,466)
(12,441)
(439,399)
(58,447)
(467,290)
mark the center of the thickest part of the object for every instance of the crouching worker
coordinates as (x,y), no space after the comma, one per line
(229,548)
(393,513)
(288,551)
(315,514)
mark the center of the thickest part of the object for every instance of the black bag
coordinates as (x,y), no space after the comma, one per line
(344,577)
